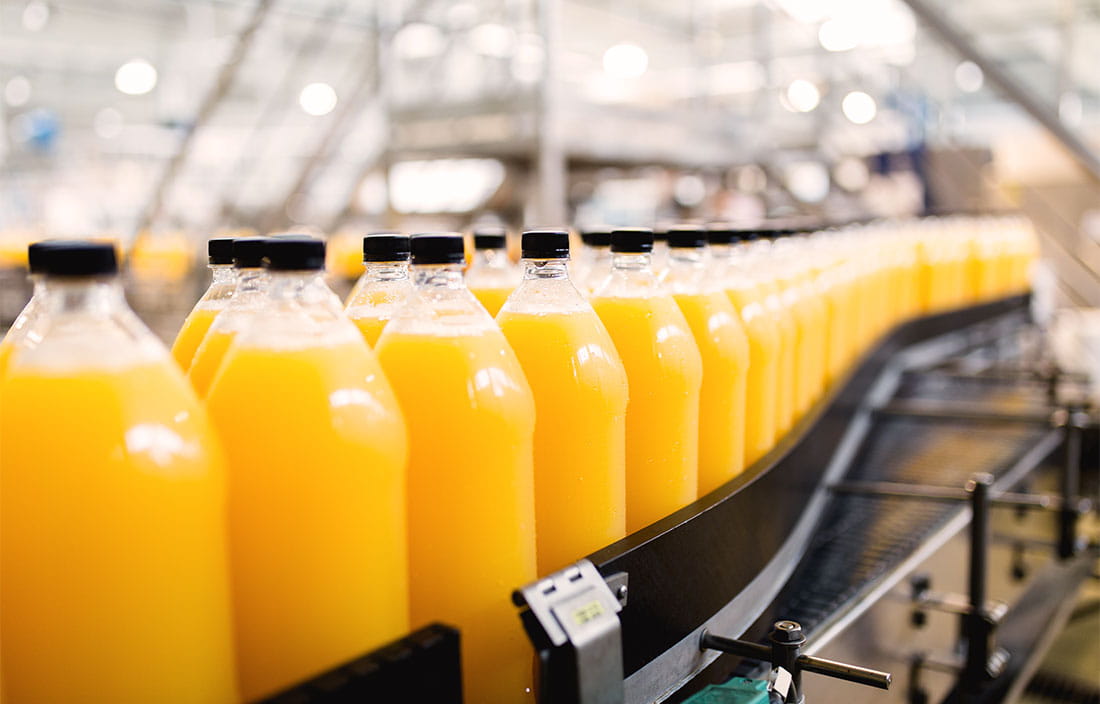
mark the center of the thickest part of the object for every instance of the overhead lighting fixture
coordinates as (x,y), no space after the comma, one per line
(969,77)
(837,35)
(493,40)
(419,40)
(802,96)
(625,60)
(443,185)
(17,91)
(136,77)
(317,99)
(35,16)
(859,107)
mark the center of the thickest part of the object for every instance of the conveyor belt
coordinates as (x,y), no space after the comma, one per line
(862,538)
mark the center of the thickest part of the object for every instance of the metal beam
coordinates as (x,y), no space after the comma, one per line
(550,158)
(946,30)
(210,101)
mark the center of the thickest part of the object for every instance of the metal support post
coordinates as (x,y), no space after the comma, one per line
(1071,478)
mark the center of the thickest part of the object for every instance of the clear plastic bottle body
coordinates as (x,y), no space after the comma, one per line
(580,392)
(492,278)
(470,416)
(248,301)
(112,526)
(23,323)
(198,322)
(664,373)
(316,466)
(599,269)
(724,348)
(382,290)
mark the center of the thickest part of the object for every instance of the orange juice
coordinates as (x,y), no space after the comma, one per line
(580,391)
(213,301)
(113,583)
(384,288)
(208,359)
(471,507)
(492,298)
(316,468)
(762,381)
(724,349)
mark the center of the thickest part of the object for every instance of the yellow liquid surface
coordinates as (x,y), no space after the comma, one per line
(191,334)
(371,328)
(580,391)
(113,584)
(316,509)
(762,380)
(724,348)
(492,298)
(208,360)
(6,349)
(471,419)
(665,372)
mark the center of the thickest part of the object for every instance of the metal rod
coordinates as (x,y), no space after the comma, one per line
(977,630)
(210,101)
(946,494)
(740,648)
(850,673)
(1067,517)
(934,18)
(931,410)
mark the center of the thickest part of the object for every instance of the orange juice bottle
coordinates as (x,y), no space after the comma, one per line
(195,327)
(316,453)
(580,391)
(762,381)
(665,373)
(724,348)
(759,263)
(37,253)
(597,246)
(492,276)
(471,422)
(113,584)
(810,316)
(249,299)
(385,285)
(659,256)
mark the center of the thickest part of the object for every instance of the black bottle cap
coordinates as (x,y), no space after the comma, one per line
(38,252)
(596,238)
(660,234)
(632,240)
(220,250)
(249,252)
(687,237)
(545,244)
(438,248)
(386,247)
(724,233)
(74,258)
(490,238)
(295,254)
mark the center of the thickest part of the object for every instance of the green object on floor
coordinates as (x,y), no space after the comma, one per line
(737,691)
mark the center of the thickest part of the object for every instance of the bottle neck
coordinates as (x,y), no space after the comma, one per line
(438,277)
(545,269)
(93,295)
(491,259)
(686,257)
(386,271)
(289,284)
(632,261)
(223,273)
(251,280)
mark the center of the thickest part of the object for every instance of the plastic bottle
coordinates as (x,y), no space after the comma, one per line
(195,327)
(597,244)
(24,322)
(580,392)
(763,335)
(492,276)
(248,300)
(113,584)
(471,421)
(385,286)
(316,454)
(724,347)
(757,244)
(664,371)
(659,256)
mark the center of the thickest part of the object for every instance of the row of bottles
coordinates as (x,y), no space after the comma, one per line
(338,473)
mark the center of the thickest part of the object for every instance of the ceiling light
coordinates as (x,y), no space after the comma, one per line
(837,35)
(859,107)
(802,95)
(969,77)
(17,91)
(625,60)
(136,77)
(493,40)
(419,40)
(35,16)
(317,99)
